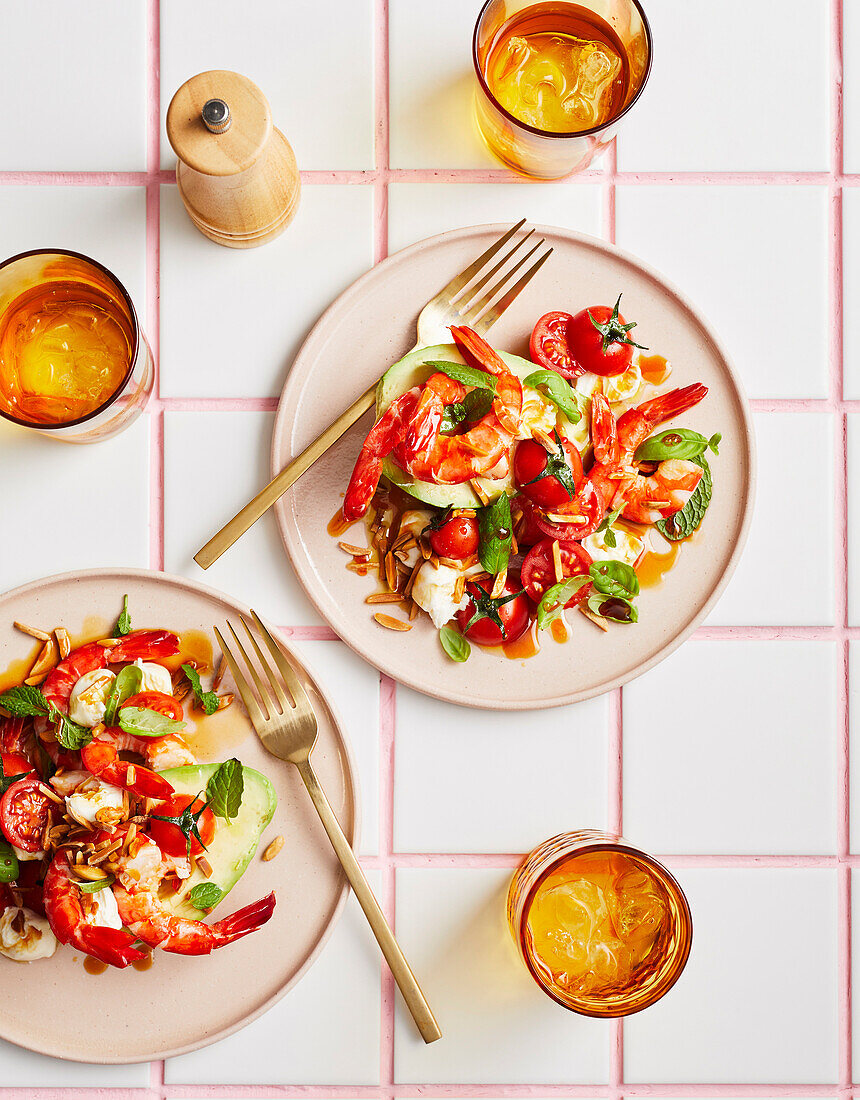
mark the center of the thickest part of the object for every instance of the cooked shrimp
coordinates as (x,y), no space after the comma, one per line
(15,735)
(139,879)
(662,493)
(381,440)
(101,758)
(69,924)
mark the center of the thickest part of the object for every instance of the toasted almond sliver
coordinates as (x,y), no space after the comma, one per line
(596,619)
(391,624)
(499,584)
(356,551)
(49,792)
(554,517)
(34,681)
(131,775)
(460,588)
(409,584)
(391,571)
(386,597)
(225,700)
(468,512)
(425,551)
(547,442)
(556,562)
(219,675)
(204,865)
(361,567)
(108,643)
(273,849)
(33,631)
(479,492)
(64,642)
(413,611)
(46,660)
(89,874)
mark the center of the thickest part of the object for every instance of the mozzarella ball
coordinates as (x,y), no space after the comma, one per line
(89,697)
(154,677)
(433,591)
(25,936)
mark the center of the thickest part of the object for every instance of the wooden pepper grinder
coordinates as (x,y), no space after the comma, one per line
(237,173)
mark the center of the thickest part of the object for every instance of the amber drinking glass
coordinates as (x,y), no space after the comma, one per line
(556,78)
(603,928)
(74,362)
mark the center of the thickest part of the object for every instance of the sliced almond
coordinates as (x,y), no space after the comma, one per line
(460,588)
(499,584)
(204,865)
(413,611)
(572,518)
(86,873)
(385,597)
(391,624)
(47,659)
(556,562)
(356,551)
(416,570)
(219,675)
(64,642)
(225,700)
(546,441)
(479,492)
(596,619)
(33,631)
(273,849)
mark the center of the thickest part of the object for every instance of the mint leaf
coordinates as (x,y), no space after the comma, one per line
(225,789)
(468,376)
(689,519)
(123,623)
(143,722)
(605,528)
(94,887)
(205,895)
(454,644)
(559,391)
(24,701)
(556,598)
(207,699)
(495,528)
(474,406)
(69,734)
(126,684)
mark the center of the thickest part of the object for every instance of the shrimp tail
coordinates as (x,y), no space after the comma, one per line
(476,351)
(381,440)
(113,946)
(191,937)
(665,407)
(144,645)
(245,920)
(604,433)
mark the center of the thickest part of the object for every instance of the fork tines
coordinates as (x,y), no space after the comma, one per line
(272,699)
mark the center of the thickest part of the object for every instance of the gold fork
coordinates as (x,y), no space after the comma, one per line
(286,724)
(456,303)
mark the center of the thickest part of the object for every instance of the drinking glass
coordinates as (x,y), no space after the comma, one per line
(57,271)
(550,154)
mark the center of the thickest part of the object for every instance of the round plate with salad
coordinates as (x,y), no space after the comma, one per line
(529,517)
(151,851)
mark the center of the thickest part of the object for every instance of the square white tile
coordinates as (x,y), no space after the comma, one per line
(418,210)
(24,1069)
(205,483)
(232,320)
(739,89)
(851,86)
(353,687)
(787,578)
(314,66)
(60,492)
(851,290)
(294,1042)
(106,223)
(76,75)
(498,1026)
(756,774)
(758,1000)
(853,519)
(467,808)
(778,284)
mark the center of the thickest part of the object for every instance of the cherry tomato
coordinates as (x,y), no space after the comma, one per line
(24,812)
(538,572)
(607,350)
(530,459)
(514,615)
(29,884)
(157,701)
(548,345)
(458,538)
(15,764)
(590,511)
(169,837)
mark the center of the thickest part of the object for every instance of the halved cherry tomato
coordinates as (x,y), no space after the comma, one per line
(514,615)
(157,701)
(15,764)
(590,511)
(458,538)
(24,812)
(527,530)
(548,345)
(169,837)
(586,342)
(530,459)
(538,571)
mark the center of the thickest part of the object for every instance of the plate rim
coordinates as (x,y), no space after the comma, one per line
(351,773)
(283,425)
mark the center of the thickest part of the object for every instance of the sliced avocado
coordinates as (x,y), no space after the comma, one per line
(412,370)
(234,843)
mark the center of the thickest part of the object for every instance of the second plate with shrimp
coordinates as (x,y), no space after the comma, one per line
(447,475)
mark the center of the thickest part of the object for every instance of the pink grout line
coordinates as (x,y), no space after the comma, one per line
(218,404)
(153,284)
(504,860)
(490,1091)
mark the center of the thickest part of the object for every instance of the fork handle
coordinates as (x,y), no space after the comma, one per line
(239,524)
(416,1002)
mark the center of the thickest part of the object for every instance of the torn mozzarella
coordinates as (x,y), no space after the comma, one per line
(433,591)
(89,697)
(25,936)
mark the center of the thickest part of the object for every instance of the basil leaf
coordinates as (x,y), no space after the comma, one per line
(468,376)
(225,789)
(474,406)
(454,644)
(689,519)
(126,684)
(69,734)
(207,699)
(616,608)
(24,701)
(495,528)
(559,391)
(123,623)
(143,722)
(615,578)
(8,862)
(94,887)
(553,601)
(205,895)
(676,443)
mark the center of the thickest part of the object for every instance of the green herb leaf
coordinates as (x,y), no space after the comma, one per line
(495,529)
(613,331)
(605,528)
(207,699)
(616,608)
(126,684)
(225,789)
(143,722)
(468,376)
(24,701)
(8,862)
(684,523)
(205,895)
(559,391)
(454,644)
(123,623)
(474,406)
(488,608)
(558,467)
(95,887)
(554,599)
(6,781)
(615,578)
(681,443)
(69,734)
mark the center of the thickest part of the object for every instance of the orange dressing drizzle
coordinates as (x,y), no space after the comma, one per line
(558,629)
(653,567)
(338,525)
(94,966)
(524,647)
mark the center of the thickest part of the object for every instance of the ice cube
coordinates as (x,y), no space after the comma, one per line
(516,53)
(594,67)
(636,906)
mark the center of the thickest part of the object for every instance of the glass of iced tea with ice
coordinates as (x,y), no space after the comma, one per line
(603,928)
(73,358)
(555,78)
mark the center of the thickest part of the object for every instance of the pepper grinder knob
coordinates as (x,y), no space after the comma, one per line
(236,172)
